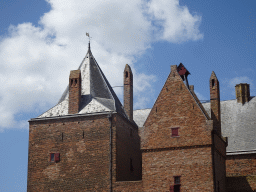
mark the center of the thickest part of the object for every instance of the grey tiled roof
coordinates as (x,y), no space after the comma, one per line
(238,123)
(96,95)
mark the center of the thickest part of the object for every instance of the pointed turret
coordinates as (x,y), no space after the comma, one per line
(128,92)
(96,94)
(215,102)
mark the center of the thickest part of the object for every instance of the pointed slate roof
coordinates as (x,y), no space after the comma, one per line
(97,94)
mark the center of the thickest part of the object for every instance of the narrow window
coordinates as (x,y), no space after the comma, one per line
(175,132)
(131,165)
(71,82)
(126,74)
(213,82)
(52,157)
(176,184)
(156,109)
(75,81)
(83,134)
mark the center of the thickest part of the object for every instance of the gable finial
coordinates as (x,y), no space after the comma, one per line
(87,34)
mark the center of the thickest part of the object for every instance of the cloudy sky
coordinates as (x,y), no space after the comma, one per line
(41,41)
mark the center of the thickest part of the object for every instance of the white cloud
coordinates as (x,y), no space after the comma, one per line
(176,23)
(35,61)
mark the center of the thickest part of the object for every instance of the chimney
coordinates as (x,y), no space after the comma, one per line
(74,91)
(242,93)
(128,92)
(215,102)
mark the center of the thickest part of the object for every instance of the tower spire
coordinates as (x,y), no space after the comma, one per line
(87,34)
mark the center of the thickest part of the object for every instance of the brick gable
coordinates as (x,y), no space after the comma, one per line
(175,107)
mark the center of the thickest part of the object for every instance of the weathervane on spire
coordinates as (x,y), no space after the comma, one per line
(87,34)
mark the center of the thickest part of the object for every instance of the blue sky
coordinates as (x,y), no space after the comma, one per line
(41,41)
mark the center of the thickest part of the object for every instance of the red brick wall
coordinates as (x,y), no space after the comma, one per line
(128,186)
(241,172)
(127,147)
(175,107)
(84,162)
(188,155)
(193,165)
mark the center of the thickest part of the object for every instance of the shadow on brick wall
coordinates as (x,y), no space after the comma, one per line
(238,184)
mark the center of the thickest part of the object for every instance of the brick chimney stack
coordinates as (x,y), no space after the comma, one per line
(128,92)
(242,93)
(215,102)
(74,91)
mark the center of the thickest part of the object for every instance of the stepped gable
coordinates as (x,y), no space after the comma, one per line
(97,96)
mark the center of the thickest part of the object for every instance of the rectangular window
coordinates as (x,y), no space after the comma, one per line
(175,132)
(176,187)
(54,157)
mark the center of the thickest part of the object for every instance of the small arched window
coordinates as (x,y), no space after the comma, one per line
(126,74)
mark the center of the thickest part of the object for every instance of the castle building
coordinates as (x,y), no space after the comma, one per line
(89,141)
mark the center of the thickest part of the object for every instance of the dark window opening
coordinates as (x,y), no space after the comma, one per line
(177,180)
(130,132)
(131,165)
(156,109)
(213,82)
(75,81)
(71,82)
(52,157)
(83,134)
(126,74)
(175,132)
(176,187)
